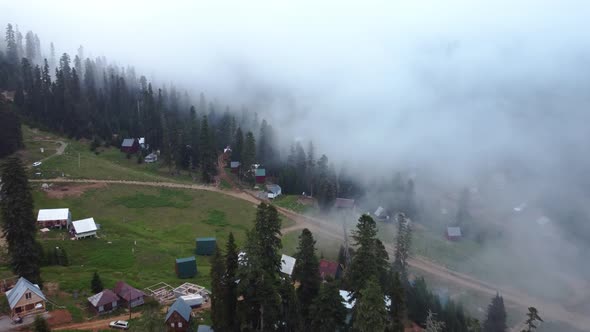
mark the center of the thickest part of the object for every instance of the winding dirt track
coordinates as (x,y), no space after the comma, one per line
(512,297)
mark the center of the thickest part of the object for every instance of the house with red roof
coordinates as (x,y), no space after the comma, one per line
(330,269)
(103,302)
(130,296)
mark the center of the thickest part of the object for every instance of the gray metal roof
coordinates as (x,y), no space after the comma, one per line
(204,328)
(183,309)
(454,231)
(128,142)
(274,188)
(21,287)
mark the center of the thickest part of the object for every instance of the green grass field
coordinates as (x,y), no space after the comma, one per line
(142,231)
(79,162)
(290,202)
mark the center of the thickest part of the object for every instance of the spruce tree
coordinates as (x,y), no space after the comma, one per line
(11,49)
(306,272)
(96,283)
(532,317)
(369,313)
(231,294)
(369,260)
(327,312)
(496,316)
(238,145)
(19,224)
(218,291)
(249,155)
(207,150)
(433,325)
(291,319)
(397,306)
(402,245)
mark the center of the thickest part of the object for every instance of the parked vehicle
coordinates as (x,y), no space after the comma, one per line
(37,163)
(119,324)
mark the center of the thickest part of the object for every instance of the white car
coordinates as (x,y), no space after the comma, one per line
(119,324)
(37,163)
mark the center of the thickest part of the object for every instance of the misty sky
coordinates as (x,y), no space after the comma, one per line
(420,81)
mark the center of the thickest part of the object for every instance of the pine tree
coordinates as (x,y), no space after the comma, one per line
(402,245)
(238,145)
(249,155)
(19,225)
(11,48)
(218,291)
(267,229)
(532,317)
(231,294)
(496,316)
(290,319)
(369,260)
(207,150)
(397,307)
(327,312)
(10,131)
(40,324)
(307,272)
(432,325)
(369,313)
(96,283)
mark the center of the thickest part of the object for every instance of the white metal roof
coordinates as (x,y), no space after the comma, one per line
(53,214)
(345,295)
(287,264)
(454,231)
(84,225)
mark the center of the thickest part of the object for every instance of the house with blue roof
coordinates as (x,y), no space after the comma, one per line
(178,317)
(25,298)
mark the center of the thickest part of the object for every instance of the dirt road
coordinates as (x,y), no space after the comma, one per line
(95,325)
(512,297)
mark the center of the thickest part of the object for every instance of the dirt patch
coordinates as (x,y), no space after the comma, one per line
(61,191)
(59,317)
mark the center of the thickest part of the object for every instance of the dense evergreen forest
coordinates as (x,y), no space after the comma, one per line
(92,99)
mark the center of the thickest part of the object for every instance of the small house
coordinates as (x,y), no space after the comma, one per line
(50,218)
(273,190)
(344,204)
(260,174)
(381,214)
(205,246)
(330,269)
(104,302)
(287,264)
(130,145)
(25,298)
(151,158)
(186,267)
(83,228)
(130,296)
(234,166)
(204,328)
(178,317)
(453,233)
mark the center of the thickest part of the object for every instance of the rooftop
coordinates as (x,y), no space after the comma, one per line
(186,259)
(84,225)
(102,298)
(344,203)
(16,293)
(183,309)
(328,268)
(454,231)
(53,214)
(260,172)
(128,142)
(287,264)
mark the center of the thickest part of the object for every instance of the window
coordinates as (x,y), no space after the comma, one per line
(179,324)
(171,324)
(28,296)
